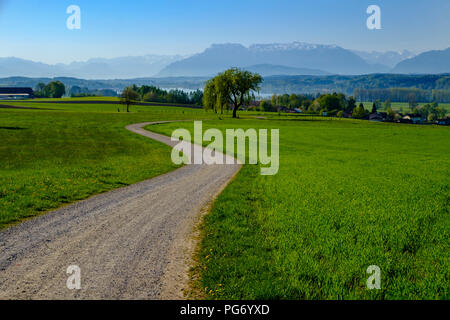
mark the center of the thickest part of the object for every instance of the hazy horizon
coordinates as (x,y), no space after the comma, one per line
(182,56)
(37,30)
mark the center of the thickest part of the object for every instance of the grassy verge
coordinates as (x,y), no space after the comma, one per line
(349,194)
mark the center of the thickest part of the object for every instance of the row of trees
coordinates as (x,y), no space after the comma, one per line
(347,84)
(338,104)
(54,89)
(410,95)
(154,94)
(76,91)
(333,103)
(431,111)
(292,101)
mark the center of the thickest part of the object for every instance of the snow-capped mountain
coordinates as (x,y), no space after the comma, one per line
(388,58)
(328,58)
(289,46)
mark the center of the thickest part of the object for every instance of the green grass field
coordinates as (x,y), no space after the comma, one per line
(349,194)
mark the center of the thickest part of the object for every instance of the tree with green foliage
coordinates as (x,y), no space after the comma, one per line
(294,101)
(351,104)
(374,108)
(57,89)
(274,100)
(412,100)
(306,104)
(391,113)
(209,96)
(234,87)
(39,90)
(214,96)
(54,89)
(329,102)
(129,96)
(432,117)
(359,112)
(264,105)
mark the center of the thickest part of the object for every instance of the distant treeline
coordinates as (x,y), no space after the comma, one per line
(347,84)
(271,84)
(338,104)
(154,94)
(77,91)
(433,87)
(409,95)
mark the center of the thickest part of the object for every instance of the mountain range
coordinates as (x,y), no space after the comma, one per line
(389,58)
(98,68)
(295,58)
(327,58)
(436,61)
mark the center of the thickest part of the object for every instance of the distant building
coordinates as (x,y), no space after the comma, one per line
(444,121)
(375,117)
(348,114)
(16,93)
(414,118)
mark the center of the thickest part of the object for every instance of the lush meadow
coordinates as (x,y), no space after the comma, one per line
(349,194)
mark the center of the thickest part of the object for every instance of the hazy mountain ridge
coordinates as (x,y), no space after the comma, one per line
(435,61)
(329,58)
(297,58)
(270,85)
(275,70)
(96,68)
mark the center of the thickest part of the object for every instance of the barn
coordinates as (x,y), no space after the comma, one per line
(16,93)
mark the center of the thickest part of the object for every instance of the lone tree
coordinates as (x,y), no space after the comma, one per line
(359,112)
(234,86)
(54,89)
(128,96)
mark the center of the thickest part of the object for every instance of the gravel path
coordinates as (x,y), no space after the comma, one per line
(131,243)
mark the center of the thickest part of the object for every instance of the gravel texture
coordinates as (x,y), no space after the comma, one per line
(131,243)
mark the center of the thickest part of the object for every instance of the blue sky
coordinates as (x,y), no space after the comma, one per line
(36,30)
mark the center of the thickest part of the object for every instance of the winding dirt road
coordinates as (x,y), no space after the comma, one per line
(130,243)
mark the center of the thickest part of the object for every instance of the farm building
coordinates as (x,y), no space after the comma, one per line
(16,93)
(414,118)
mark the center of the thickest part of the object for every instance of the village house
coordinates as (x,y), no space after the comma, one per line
(413,118)
(376,117)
